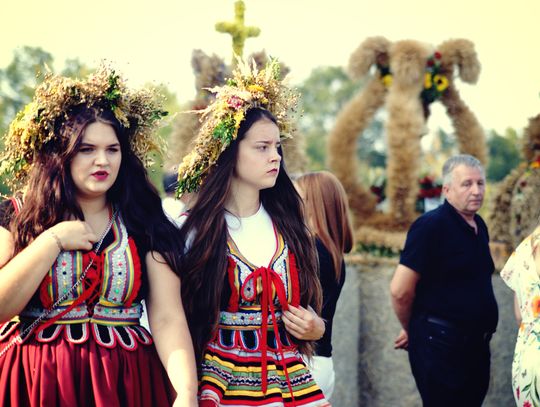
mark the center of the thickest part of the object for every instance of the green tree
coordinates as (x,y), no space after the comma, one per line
(17,83)
(19,79)
(504,154)
(171,105)
(75,69)
(324,94)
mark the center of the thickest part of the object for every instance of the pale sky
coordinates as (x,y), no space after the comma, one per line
(152,41)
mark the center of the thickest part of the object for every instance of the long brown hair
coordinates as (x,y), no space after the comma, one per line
(50,195)
(327,212)
(204,265)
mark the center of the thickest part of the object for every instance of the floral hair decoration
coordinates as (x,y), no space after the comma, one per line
(34,127)
(435,82)
(248,88)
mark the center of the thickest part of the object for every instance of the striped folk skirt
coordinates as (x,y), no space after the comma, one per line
(238,369)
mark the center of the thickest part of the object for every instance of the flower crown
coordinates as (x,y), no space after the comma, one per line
(248,88)
(435,83)
(139,111)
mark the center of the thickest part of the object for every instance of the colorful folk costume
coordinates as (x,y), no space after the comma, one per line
(95,332)
(522,274)
(89,349)
(251,359)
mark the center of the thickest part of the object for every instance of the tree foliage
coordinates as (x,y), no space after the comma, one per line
(324,94)
(17,83)
(170,105)
(19,79)
(504,154)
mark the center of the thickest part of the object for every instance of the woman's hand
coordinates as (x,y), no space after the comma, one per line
(303,323)
(73,235)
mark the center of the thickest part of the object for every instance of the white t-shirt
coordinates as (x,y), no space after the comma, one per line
(254,236)
(172,207)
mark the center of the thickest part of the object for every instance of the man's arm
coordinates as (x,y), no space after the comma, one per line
(402,291)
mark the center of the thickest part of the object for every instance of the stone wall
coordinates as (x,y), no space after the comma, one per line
(370,373)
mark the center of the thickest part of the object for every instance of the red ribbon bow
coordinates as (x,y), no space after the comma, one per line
(270,282)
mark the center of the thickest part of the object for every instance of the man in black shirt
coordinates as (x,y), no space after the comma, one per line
(442,293)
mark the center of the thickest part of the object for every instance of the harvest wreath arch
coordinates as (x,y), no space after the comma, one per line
(515,212)
(407,78)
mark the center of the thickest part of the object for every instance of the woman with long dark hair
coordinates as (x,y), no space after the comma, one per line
(327,213)
(249,274)
(84,243)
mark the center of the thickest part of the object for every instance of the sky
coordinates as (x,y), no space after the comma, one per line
(152,41)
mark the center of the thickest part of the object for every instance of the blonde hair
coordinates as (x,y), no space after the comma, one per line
(327,213)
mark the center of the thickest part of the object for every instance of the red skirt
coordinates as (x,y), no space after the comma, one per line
(62,373)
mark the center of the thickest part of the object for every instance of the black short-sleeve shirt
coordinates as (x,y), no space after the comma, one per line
(331,291)
(455,268)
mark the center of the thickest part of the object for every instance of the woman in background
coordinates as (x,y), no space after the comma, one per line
(327,213)
(522,274)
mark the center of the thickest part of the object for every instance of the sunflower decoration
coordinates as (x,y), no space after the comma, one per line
(34,127)
(435,83)
(248,88)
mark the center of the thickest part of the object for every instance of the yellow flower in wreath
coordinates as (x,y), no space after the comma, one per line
(238,117)
(427,80)
(387,80)
(441,82)
(255,88)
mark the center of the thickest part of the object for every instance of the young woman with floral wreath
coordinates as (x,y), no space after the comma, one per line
(249,274)
(87,241)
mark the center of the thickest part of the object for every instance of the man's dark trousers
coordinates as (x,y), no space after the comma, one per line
(450,365)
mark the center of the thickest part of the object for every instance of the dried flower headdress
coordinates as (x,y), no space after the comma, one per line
(248,88)
(139,111)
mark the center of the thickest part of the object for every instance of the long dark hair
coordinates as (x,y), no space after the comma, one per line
(204,265)
(50,195)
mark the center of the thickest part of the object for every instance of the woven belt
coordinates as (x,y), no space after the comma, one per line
(105,315)
(244,319)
